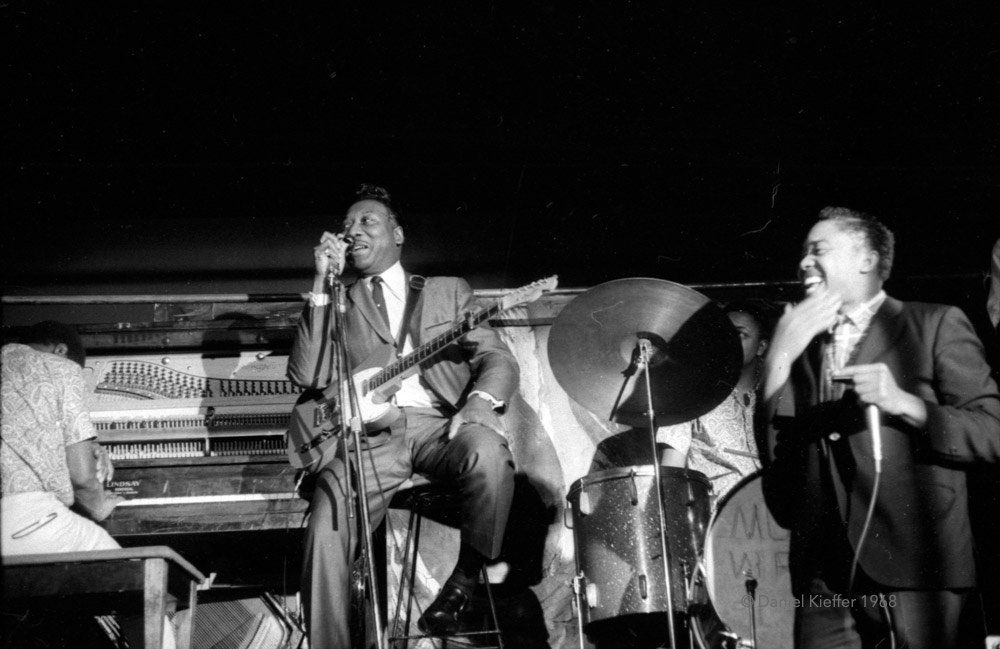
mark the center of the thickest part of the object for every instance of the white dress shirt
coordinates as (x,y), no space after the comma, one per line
(413,391)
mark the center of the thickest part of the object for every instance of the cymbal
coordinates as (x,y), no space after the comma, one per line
(695,359)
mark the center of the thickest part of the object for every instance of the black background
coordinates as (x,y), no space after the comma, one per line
(202,147)
(165,146)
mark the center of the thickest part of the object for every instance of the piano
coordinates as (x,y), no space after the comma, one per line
(195,423)
(197,441)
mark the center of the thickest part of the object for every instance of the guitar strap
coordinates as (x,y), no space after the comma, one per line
(416,285)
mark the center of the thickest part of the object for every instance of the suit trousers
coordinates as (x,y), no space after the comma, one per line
(911,619)
(477,461)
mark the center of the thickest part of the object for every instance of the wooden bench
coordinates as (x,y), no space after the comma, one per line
(114,578)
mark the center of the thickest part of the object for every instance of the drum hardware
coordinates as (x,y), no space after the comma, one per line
(607,349)
(645,357)
(751,585)
(708,631)
(621,574)
(578,603)
(695,356)
(687,597)
(744,564)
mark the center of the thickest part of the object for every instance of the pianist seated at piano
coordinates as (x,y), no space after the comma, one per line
(53,470)
(447,429)
(50,459)
(722,443)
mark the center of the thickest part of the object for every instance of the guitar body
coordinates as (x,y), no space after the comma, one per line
(315,420)
(313,426)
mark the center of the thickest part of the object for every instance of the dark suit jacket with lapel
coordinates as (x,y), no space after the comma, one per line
(479,360)
(820,459)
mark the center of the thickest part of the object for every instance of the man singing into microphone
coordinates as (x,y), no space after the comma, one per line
(905,575)
(448,428)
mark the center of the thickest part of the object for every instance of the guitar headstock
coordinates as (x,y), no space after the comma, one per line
(529,293)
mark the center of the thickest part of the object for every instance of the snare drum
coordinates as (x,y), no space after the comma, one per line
(617,539)
(743,540)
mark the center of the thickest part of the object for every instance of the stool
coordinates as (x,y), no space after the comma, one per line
(440,503)
(109,578)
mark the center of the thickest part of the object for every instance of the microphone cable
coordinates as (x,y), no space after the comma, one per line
(874,426)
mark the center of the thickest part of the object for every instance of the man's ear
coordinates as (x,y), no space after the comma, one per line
(61,349)
(869,261)
(397,235)
(761,347)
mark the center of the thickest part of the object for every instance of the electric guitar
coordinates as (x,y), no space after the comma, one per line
(315,422)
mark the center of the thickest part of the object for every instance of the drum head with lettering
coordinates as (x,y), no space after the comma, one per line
(745,541)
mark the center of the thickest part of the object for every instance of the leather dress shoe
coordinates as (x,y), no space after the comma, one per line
(442,616)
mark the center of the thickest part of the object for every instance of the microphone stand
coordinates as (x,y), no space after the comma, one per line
(644,357)
(349,402)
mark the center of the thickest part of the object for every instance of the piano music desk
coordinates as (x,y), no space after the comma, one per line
(110,577)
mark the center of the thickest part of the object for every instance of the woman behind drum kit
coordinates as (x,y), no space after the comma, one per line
(722,444)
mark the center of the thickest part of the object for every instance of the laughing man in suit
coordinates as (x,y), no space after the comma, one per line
(843,348)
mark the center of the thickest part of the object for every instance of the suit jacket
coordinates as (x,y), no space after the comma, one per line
(479,360)
(820,466)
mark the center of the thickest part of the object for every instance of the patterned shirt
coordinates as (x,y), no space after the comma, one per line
(44,411)
(720,444)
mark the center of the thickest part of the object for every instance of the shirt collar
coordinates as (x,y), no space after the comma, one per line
(394,280)
(862,314)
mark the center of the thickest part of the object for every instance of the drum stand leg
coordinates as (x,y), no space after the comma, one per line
(751,584)
(578,598)
(688,595)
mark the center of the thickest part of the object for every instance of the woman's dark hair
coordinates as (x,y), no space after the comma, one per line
(760,310)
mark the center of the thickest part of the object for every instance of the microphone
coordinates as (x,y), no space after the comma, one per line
(332,270)
(874,419)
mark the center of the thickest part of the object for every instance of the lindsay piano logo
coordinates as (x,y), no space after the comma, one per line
(124,487)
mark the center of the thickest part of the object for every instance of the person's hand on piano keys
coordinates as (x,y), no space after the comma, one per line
(105,469)
(108,504)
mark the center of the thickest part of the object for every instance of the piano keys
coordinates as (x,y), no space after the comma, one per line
(197,441)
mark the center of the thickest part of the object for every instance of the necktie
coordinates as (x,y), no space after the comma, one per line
(379,297)
(834,359)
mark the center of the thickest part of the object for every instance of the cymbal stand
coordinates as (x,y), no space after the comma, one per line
(349,402)
(644,357)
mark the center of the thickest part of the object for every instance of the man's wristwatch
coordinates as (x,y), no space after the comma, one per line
(494,402)
(318,299)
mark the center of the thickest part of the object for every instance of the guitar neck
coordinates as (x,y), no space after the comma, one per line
(430,348)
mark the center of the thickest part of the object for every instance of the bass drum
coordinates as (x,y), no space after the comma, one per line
(618,543)
(743,542)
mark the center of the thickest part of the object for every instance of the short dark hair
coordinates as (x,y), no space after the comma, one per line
(369,192)
(878,237)
(761,311)
(52,332)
